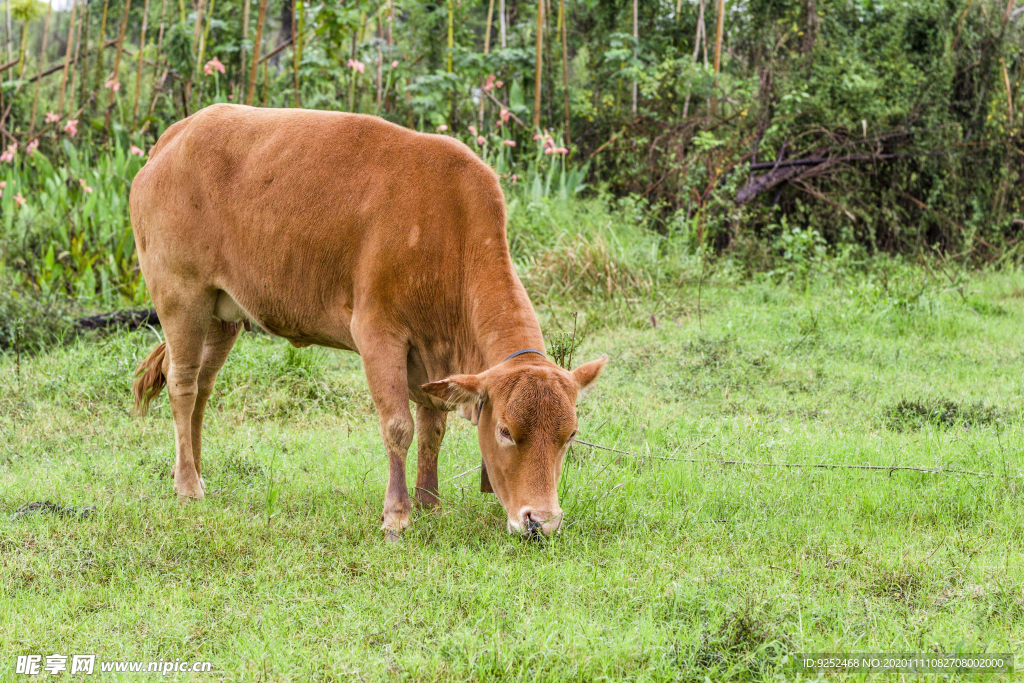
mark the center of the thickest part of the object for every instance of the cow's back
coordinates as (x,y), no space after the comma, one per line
(304,217)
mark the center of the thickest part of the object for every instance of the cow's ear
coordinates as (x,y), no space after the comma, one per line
(587,373)
(457,390)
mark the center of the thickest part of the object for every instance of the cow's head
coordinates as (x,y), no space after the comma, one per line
(525,412)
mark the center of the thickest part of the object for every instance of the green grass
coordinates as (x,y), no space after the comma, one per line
(669,569)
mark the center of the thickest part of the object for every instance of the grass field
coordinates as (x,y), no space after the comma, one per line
(674,565)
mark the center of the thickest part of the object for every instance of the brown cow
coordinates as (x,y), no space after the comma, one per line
(350,232)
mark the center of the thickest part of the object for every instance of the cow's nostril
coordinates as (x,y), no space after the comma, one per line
(534,527)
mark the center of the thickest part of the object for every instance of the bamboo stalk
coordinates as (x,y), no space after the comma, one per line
(636,37)
(502,20)
(380,59)
(103,38)
(295,52)
(487,50)
(696,51)
(562,21)
(7,11)
(83,17)
(67,57)
(156,58)
(451,34)
(117,63)
(245,35)
(85,55)
(21,49)
(256,50)
(42,58)
(266,83)
(138,74)
(538,75)
(201,52)
(718,36)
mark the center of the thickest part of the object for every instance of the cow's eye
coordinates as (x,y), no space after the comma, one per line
(504,432)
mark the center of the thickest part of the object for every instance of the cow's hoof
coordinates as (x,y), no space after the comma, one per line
(190,490)
(395,522)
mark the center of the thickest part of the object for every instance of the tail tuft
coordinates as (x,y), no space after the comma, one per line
(151,378)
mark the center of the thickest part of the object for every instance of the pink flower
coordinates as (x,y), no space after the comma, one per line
(137,151)
(231,96)
(213,65)
(71,127)
(357,65)
(472,130)
(563,150)
(536,137)
(85,188)
(443,127)
(510,143)
(513,178)
(32,147)
(8,154)
(491,83)
(505,115)
(51,117)
(113,84)
(19,200)
(480,140)
(3,184)
(394,64)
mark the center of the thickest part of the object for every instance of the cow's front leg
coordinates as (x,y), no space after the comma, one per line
(430,425)
(385,364)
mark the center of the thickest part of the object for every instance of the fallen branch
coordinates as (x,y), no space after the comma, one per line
(133,320)
(783,171)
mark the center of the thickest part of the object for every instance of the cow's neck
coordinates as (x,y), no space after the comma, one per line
(502,321)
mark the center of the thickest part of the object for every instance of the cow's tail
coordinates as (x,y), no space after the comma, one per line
(150,378)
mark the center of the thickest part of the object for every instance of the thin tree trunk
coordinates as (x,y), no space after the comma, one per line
(487,51)
(138,75)
(99,52)
(718,36)
(117,64)
(158,82)
(451,34)
(42,58)
(266,83)
(636,37)
(85,57)
(203,37)
(256,50)
(245,35)
(540,62)
(7,10)
(22,47)
(696,51)
(562,21)
(296,9)
(67,57)
(502,20)
(83,17)
(380,58)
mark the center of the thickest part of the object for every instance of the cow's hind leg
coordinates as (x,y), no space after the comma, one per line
(220,339)
(186,322)
(430,427)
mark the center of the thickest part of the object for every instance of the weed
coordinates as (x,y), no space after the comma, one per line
(913,414)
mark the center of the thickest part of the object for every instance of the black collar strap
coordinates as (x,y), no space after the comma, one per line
(480,406)
(522,351)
